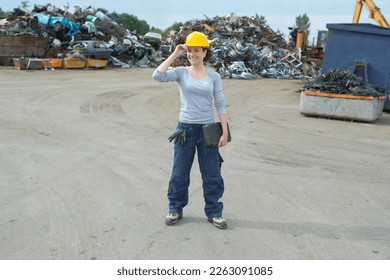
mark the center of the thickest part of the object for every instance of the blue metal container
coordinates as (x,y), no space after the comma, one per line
(362,48)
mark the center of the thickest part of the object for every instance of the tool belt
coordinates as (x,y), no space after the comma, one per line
(213,132)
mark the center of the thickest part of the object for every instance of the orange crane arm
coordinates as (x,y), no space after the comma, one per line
(358,11)
(373,12)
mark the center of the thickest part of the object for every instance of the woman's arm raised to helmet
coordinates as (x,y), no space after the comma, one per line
(179,50)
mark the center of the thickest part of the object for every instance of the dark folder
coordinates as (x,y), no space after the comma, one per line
(212,133)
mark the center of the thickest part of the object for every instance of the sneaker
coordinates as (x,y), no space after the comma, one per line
(219,222)
(173,218)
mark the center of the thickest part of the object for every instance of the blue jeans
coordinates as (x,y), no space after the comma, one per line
(210,162)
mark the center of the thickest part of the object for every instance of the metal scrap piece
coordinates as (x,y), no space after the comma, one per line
(344,82)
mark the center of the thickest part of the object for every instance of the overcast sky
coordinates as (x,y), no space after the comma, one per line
(279,14)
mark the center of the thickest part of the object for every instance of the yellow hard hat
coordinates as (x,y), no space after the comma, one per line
(197,39)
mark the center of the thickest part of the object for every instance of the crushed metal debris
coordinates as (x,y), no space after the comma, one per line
(344,82)
(66,24)
(243,47)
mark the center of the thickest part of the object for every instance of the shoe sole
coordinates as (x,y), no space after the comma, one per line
(223,226)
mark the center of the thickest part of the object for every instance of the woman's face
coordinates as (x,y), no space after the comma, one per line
(195,55)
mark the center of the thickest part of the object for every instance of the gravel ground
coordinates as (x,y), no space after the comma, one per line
(85,162)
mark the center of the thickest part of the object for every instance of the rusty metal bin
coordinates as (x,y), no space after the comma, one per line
(28,63)
(52,63)
(96,63)
(74,64)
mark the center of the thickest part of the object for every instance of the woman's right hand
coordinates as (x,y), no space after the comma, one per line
(180,49)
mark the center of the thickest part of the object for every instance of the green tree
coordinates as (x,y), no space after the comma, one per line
(25,4)
(156,30)
(114,16)
(261,19)
(302,22)
(174,27)
(131,22)
(4,14)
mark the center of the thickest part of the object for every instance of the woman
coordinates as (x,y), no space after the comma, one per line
(199,88)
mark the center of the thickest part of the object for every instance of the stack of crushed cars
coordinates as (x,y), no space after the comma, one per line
(245,48)
(67,24)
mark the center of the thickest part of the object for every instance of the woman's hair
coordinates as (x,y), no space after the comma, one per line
(208,55)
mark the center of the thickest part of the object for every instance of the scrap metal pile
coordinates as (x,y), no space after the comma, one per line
(67,24)
(344,82)
(244,48)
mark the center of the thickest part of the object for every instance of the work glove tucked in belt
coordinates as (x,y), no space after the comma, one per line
(179,135)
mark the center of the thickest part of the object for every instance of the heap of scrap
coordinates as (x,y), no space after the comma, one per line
(66,24)
(243,47)
(344,82)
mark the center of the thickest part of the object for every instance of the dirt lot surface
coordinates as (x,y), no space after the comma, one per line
(85,161)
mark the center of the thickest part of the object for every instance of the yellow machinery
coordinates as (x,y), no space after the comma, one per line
(299,41)
(373,12)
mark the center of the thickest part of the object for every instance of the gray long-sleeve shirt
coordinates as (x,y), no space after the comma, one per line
(196,96)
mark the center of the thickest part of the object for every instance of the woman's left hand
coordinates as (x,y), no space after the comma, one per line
(222,141)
